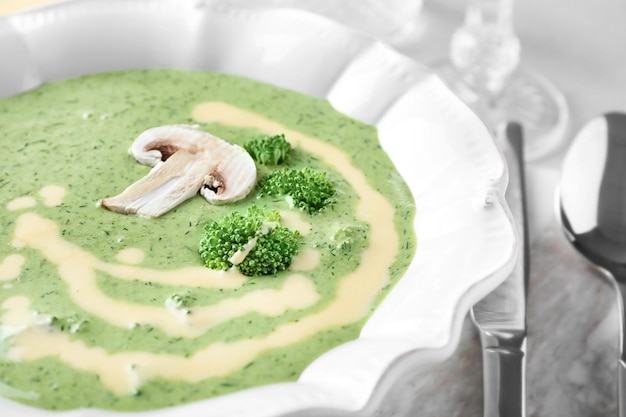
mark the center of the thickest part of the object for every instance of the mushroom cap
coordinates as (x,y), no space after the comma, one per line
(159,143)
(231,180)
(185,160)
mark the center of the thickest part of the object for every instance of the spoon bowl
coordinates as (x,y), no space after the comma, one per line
(593,209)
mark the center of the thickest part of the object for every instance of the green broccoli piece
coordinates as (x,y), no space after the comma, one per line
(72,324)
(255,243)
(179,302)
(269,150)
(307,189)
(345,236)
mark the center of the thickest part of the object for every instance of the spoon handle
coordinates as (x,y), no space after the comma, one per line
(621,365)
(612,224)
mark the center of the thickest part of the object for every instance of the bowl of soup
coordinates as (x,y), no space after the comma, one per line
(106,312)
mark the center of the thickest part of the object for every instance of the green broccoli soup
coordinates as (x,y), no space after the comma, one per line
(259,229)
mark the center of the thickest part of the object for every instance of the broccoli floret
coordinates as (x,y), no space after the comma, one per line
(307,189)
(345,236)
(72,324)
(255,243)
(179,302)
(269,150)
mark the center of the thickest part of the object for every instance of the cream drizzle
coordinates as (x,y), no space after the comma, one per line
(131,256)
(21,203)
(11,267)
(306,260)
(123,372)
(52,195)
(294,221)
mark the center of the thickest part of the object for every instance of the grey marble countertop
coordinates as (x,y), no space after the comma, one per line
(572,313)
(572,347)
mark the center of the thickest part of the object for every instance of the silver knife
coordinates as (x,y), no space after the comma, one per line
(500,317)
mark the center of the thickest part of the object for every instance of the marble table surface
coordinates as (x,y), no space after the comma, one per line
(572,315)
(572,347)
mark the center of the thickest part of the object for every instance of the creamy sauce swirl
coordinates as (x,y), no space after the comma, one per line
(78,269)
(102,310)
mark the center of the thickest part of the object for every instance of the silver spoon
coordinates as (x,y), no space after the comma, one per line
(593,210)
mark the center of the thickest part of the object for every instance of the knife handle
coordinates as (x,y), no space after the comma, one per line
(504,353)
(504,379)
(621,388)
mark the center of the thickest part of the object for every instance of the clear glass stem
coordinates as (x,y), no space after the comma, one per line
(485,50)
(483,70)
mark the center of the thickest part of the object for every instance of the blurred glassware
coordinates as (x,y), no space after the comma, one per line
(483,68)
(392,21)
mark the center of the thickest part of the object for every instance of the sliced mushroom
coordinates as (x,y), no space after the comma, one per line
(185,160)
(231,178)
(159,143)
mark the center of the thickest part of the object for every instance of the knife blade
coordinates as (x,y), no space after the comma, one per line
(500,317)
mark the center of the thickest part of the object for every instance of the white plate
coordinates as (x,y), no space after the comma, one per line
(466,239)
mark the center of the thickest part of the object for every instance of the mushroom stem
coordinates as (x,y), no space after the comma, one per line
(167,185)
